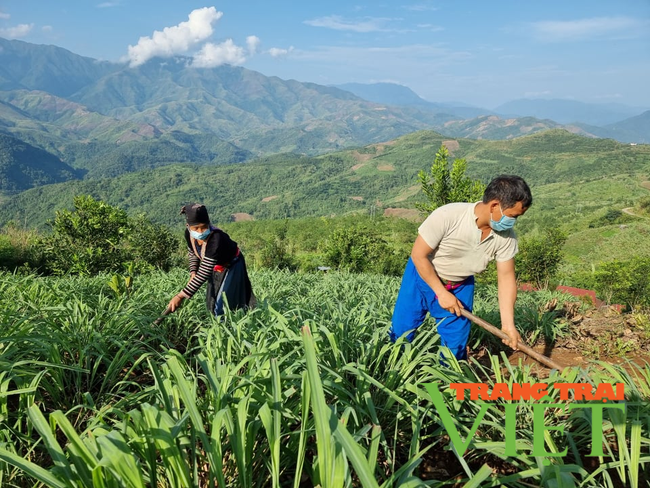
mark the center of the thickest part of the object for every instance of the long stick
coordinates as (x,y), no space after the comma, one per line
(159,320)
(540,358)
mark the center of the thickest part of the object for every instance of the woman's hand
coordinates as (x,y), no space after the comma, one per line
(175,302)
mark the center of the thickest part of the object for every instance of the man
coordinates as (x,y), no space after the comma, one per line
(456,242)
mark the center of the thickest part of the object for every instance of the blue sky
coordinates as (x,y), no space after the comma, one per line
(478,52)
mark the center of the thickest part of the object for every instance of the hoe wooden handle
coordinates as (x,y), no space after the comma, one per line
(162,317)
(540,358)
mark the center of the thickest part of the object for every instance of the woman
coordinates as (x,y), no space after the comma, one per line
(214,257)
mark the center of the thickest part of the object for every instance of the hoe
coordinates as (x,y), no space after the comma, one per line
(540,358)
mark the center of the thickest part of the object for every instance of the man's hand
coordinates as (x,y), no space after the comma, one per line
(175,302)
(515,338)
(449,302)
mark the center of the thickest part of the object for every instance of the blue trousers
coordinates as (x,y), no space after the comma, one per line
(416,298)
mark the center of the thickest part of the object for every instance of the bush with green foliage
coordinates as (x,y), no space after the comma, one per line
(444,185)
(357,251)
(626,282)
(539,257)
(98,237)
(275,252)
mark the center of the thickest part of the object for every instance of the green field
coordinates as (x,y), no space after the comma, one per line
(303,391)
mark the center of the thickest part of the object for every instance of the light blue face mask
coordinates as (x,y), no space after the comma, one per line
(200,235)
(504,223)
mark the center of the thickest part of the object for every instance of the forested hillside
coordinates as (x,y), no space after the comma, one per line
(374,177)
(23,166)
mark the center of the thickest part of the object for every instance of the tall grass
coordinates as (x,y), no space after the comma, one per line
(305,390)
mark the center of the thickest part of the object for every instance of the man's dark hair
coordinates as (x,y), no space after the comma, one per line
(508,189)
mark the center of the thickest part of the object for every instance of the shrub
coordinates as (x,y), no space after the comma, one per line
(539,257)
(358,252)
(625,282)
(97,237)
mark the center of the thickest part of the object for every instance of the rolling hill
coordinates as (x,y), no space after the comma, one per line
(378,176)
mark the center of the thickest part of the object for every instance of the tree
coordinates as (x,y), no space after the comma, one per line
(444,185)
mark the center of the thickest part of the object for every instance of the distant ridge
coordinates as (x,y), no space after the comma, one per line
(568,111)
(394,94)
(24,166)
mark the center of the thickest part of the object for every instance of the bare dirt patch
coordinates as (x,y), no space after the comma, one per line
(358,166)
(241,216)
(362,157)
(385,167)
(381,147)
(268,199)
(404,213)
(646,185)
(597,334)
(358,199)
(451,146)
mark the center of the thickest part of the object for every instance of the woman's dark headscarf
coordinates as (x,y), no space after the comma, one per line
(195,214)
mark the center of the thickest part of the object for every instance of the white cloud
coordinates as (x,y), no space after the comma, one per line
(253,44)
(212,55)
(177,39)
(20,30)
(276,52)
(336,22)
(47,28)
(107,4)
(430,27)
(592,28)
(422,61)
(420,8)
(4,16)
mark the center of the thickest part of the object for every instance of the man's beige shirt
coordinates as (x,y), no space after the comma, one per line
(458,252)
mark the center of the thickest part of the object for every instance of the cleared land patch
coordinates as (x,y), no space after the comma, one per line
(268,199)
(241,216)
(362,157)
(451,145)
(404,213)
(358,199)
(409,192)
(385,167)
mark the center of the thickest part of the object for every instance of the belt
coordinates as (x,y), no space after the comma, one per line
(220,268)
(452,285)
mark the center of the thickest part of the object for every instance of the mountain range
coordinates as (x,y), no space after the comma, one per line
(66,116)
